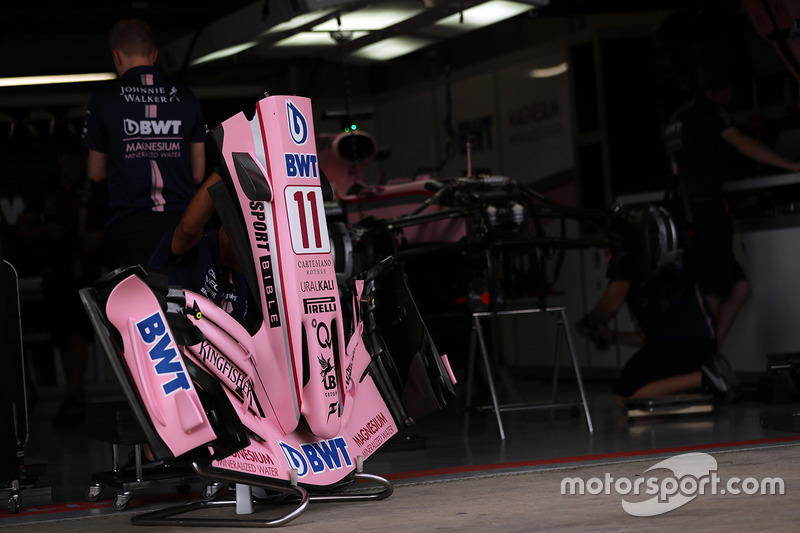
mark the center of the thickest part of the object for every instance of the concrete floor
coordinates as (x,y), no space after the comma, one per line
(453,475)
(524,501)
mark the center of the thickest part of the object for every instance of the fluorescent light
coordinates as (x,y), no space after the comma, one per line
(224,52)
(372,18)
(314,38)
(299,20)
(548,72)
(483,15)
(57,78)
(391,48)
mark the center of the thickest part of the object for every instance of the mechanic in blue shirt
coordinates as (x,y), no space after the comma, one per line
(203,262)
(675,327)
(146,136)
(702,141)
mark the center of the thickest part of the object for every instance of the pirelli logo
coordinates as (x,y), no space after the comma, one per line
(322,304)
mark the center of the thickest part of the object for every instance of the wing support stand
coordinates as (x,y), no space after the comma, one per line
(170,516)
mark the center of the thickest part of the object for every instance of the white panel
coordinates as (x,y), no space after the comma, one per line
(473,119)
(307,224)
(534,121)
(768,323)
(517,125)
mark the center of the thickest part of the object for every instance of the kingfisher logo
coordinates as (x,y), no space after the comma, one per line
(151,127)
(317,457)
(163,353)
(298,127)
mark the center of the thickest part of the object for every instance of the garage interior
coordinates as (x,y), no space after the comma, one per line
(568,98)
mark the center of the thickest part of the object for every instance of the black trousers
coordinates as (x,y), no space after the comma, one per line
(659,359)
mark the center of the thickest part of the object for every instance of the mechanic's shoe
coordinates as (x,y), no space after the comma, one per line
(719,378)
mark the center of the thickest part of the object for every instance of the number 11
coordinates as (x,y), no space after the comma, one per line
(301,209)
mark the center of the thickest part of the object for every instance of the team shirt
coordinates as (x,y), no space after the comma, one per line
(665,307)
(698,152)
(145,125)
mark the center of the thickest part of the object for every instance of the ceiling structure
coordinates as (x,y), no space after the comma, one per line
(299,43)
(362,31)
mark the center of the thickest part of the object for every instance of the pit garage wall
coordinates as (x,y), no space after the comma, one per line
(517,125)
(520,127)
(526,129)
(768,322)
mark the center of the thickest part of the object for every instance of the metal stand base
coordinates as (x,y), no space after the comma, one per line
(127,481)
(299,496)
(14,496)
(684,404)
(477,333)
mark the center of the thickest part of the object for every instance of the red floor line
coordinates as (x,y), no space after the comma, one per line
(582,458)
(105,503)
(53,508)
(81,506)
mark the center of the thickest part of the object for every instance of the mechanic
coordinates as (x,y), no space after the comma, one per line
(701,141)
(675,329)
(200,261)
(145,135)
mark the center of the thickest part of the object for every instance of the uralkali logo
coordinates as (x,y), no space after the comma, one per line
(692,475)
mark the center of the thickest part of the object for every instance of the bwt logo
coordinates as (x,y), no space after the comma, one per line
(298,128)
(152,127)
(167,361)
(317,457)
(301,165)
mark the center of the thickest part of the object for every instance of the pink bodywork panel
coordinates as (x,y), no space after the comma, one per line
(157,368)
(300,296)
(343,414)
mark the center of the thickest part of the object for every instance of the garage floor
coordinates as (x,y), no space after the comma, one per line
(453,472)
